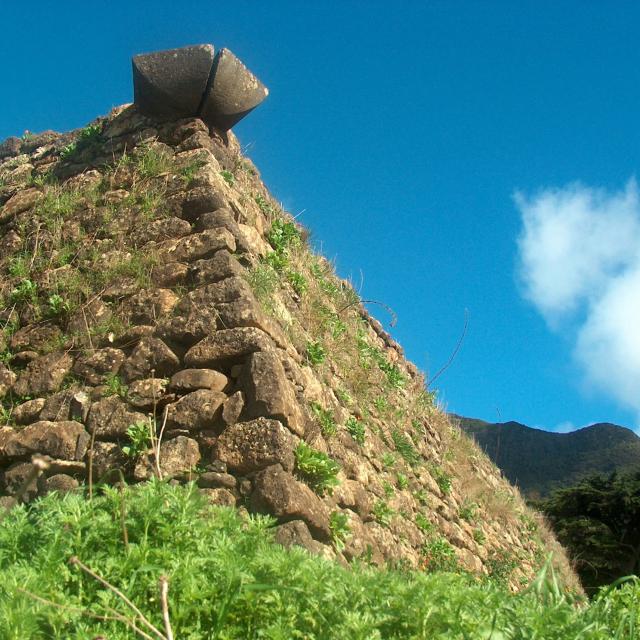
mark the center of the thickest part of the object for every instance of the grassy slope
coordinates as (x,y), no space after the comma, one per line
(227,580)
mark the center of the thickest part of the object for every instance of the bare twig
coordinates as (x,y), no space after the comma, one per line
(386,307)
(454,353)
(164,599)
(75,561)
(85,612)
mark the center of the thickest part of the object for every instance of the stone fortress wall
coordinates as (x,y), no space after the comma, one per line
(150,284)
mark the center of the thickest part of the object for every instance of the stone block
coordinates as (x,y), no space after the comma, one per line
(234,92)
(223,347)
(171,83)
(247,447)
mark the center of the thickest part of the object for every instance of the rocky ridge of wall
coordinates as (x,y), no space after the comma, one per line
(161,315)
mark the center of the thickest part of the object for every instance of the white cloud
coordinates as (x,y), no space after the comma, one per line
(579,264)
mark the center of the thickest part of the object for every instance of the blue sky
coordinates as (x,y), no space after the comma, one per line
(443,150)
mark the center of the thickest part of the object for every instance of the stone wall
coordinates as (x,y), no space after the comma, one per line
(162,315)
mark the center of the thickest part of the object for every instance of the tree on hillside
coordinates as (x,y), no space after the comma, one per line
(598,520)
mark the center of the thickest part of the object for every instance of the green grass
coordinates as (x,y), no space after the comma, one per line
(228,581)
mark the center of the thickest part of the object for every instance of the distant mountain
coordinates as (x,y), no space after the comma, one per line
(539,461)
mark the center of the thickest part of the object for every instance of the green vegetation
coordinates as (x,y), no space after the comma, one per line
(131,538)
(356,429)
(438,555)
(423,523)
(88,138)
(316,353)
(382,512)
(228,177)
(405,447)
(340,529)
(316,468)
(114,386)
(442,478)
(140,438)
(325,419)
(598,520)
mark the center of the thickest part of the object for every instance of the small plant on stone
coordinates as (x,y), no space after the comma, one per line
(403,481)
(404,446)
(139,435)
(421,496)
(422,522)
(439,555)
(298,282)
(283,235)
(468,511)
(388,460)
(388,488)
(356,429)
(316,353)
(317,468)
(382,512)
(228,177)
(478,536)
(325,418)
(57,305)
(115,386)
(442,478)
(189,171)
(277,260)
(25,291)
(340,529)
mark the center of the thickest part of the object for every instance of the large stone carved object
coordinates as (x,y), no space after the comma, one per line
(192,81)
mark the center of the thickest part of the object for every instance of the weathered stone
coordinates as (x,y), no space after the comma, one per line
(252,242)
(10,243)
(171,274)
(190,328)
(65,440)
(170,84)
(43,375)
(350,494)
(222,265)
(28,411)
(151,354)
(197,201)
(246,312)
(278,493)
(247,447)
(162,229)
(215,480)
(34,337)
(91,315)
(223,347)
(268,392)
(6,435)
(147,393)
(79,406)
(178,457)
(10,147)
(196,411)
(214,294)
(133,336)
(220,496)
(197,246)
(93,368)
(110,418)
(14,478)
(21,201)
(232,408)
(107,458)
(197,140)
(60,483)
(193,379)
(296,534)
(57,406)
(146,307)
(7,380)
(234,92)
